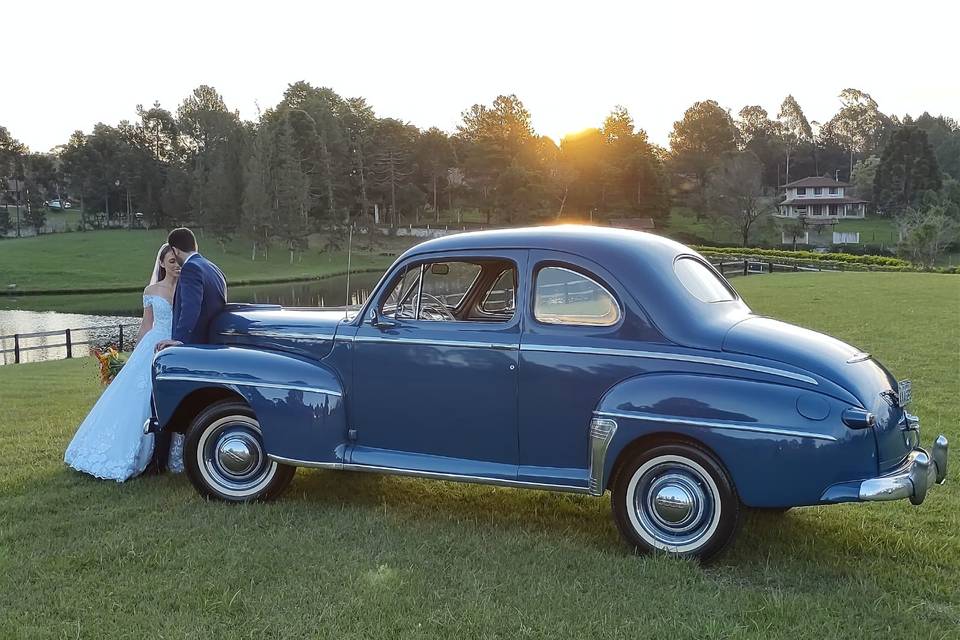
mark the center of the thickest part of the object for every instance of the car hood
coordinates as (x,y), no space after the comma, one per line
(308,332)
(815,352)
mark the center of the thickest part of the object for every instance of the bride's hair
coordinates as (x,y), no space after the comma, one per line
(161,272)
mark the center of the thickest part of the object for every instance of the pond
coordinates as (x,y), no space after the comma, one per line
(36,314)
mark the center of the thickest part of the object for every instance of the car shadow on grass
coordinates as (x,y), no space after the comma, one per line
(817,535)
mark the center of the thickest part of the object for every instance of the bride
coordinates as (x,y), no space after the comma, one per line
(110,443)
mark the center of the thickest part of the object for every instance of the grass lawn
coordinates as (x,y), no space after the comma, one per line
(123,258)
(873,230)
(346,555)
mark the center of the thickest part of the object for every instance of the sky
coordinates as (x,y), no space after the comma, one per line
(68,65)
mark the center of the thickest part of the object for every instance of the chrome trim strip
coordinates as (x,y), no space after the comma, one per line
(441,343)
(735,426)
(602,431)
(230,333)
(660,355)
(433,475)
(858,357)
(247,383)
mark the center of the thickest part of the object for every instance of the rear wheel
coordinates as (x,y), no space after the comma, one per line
(225,459)
(675,498)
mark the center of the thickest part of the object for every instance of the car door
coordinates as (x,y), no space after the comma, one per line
(579,318)
(435,368)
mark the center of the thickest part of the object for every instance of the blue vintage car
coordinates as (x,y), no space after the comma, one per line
(565,358)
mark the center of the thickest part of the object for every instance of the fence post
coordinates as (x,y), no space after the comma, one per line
(121,338)
(770,267)
(746,264)
(69,344)
(16,348)
(796,268)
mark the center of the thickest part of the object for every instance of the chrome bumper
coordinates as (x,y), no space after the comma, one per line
(911,479)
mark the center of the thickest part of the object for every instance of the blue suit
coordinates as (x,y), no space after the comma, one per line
(200,296)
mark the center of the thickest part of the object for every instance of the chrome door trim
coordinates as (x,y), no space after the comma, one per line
(230,333)
(733,426)
(440,343)
(433,475)
(247,383)
(662,355)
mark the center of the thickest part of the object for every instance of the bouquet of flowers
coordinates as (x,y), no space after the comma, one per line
(110,362)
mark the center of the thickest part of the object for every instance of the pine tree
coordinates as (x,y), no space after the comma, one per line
(257,214)
(291,192)
(907,168)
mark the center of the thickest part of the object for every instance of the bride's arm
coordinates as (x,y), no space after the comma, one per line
(146,324)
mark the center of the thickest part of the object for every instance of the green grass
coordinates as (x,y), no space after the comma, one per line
(873,230)
(346,555)
(122,258)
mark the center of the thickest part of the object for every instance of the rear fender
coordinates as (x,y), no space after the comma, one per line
(298,402)
(782,445)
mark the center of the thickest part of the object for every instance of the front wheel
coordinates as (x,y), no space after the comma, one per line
(675,498)
(225,459)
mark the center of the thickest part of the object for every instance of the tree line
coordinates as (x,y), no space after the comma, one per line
(318,160)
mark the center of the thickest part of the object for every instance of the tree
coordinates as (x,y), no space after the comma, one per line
(763,137)
(257,214)
(10,149)
(795,129)
(291,191)
(699,141)
(926,235)
(36,215)
(859,126)
(907,168)
(434,155)
(864,174)
(735,193)
(944,136)
(392,163)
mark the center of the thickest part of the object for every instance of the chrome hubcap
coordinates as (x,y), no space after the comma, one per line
(675,505)
(231,457)
(237,455)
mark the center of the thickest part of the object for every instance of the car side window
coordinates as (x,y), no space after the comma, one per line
(401,303)
(501,297)
(564,296)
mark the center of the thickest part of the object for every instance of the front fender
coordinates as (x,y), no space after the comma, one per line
(782,445)
(298,402)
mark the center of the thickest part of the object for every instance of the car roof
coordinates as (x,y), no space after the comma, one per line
(585,240)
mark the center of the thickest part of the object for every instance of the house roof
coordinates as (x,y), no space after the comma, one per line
(805,201)
(815,181)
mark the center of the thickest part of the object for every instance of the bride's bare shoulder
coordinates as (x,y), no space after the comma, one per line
(152,290)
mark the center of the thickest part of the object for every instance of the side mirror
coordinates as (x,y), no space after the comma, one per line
(381,322)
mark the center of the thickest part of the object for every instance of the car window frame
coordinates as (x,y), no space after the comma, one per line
(585,273)
(515,284)
(418,262)
(709,267)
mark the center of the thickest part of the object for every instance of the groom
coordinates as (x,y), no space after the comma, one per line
(200,296)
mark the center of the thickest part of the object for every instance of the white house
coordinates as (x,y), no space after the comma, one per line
(820,203)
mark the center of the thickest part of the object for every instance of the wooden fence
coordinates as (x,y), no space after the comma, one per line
(68,340)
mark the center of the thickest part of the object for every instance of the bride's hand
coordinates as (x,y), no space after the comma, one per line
(163,344)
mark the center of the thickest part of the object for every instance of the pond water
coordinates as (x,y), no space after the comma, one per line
(36,314)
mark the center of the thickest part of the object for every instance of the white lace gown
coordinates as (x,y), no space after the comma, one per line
(110,443)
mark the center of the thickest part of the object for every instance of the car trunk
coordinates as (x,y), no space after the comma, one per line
(869,381)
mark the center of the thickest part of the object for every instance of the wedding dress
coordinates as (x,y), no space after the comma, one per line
(110,443)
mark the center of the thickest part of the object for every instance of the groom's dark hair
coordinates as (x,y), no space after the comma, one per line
(183,239)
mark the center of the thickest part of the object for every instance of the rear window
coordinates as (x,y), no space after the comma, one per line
(702,282)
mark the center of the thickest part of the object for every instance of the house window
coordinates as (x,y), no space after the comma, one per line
(817,191)
(833,191)
(801,191)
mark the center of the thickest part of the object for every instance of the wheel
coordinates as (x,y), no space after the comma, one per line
(675,498)
(224,456)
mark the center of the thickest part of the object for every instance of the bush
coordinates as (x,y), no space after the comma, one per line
(880,261)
